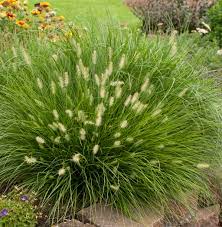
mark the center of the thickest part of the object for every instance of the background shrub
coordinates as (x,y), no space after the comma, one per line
(106,117)
(215,19)
(168,15)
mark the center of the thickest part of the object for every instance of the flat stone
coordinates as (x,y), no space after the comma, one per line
(206,217)
(75,223)
(106,216)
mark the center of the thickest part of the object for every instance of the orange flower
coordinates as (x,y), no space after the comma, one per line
(11,16)
(43,26)
(35,12)
(22,24)
(12,1)
(5,3)
(44,4)
(8,2)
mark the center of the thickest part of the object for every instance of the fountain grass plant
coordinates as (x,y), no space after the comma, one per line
(106,117)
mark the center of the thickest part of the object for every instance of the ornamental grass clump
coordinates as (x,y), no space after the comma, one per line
(107,117)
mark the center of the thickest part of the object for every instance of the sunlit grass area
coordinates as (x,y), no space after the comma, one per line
(100,9)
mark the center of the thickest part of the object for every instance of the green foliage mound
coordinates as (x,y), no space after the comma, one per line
(215,19)
(16,209)
(106,117)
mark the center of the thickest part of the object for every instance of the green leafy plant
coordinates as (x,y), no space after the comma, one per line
(108,117)
(215,20)
(16,209)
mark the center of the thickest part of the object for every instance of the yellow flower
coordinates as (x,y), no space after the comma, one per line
(60,18)
(68,34)
(22,24)
(44,4)
(35,12)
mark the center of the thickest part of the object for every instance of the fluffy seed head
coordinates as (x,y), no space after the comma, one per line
(62,128)
(78,71)
(100,109)
(116,83)
(129,139)
(117,135)
(66,79)
(122,62)
(55,57)
(14,52)
(53,87)
(102,92)
(61,82)
(82,133)
(89,123)
(136,105)
(76,158)
(203,166)
(40,140)
(26,57)
(57,140)
(84,70)
(135,97)
(55,115)
(69,113)
(78,50)
(128,100)
(97,79)
(118,91)
(111,101)
(61,171)
(99,120)
(94,57)
(81,116)
(95,149)
(39,83)
(156,112)
(30,160)
(124,124)
(67,137)
(85,73)
(117,143)
(141,107)
(55,125)
(183,92)
(104,78)
(145,85)
(110,68)
(114,187)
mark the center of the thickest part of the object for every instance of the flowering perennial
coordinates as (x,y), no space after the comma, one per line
(15,14)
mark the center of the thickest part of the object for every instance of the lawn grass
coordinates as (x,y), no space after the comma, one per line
(101,9)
